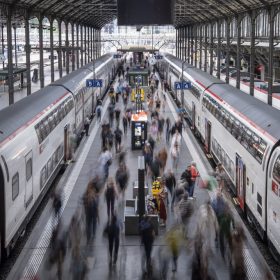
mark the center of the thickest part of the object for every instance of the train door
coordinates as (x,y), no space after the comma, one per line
(2,212)
(66,142)
(240,181)
(193,115)
(208,128)
(28,179)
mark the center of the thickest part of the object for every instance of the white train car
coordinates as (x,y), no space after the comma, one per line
(85,97)
(243,134)
(34,143)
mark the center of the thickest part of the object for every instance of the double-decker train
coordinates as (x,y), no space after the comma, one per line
(35,137)
(243,134)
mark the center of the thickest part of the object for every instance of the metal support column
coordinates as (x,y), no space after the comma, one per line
(85,45)
(73,56)
(59,49)
(88,44)
(200,46)
(51,49)
(205,47)
(195,47)
(252,53)
(219,49)
(82,46)
(192,44)
(15,41)
(228,50)
(270,55)
(2,42)
(189,45)
(77,45)
(10,57)
(92,42)
(211,47)
(176,44)
(185,43)
(41,52)
(238,57)
(27,53)
(180,41)
(67,46)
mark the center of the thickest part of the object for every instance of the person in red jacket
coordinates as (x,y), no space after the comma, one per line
(194,175)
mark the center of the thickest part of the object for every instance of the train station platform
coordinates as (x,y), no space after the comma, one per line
(32,262)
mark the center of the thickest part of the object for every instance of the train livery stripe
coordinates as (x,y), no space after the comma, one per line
(38,253)
(20,129)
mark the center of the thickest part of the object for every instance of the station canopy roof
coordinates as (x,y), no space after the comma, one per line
(97,13)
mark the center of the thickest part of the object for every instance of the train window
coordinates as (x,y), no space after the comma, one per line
(54,163)
(246,137)
(235,128)
(28,169)
(55,117)
(15,186)
(219,152)
(43,177)
(43,132)
(223,155)
(51,122)
(253,188)
(50,167)
(231,169)
(38,132)
(276,170)
(46,127)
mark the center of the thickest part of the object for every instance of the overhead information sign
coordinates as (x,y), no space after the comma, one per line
(158,56)
(182,85)
(94,83)
(117,56)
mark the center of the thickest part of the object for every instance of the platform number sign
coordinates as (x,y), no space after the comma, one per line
(182,85)
(94,83)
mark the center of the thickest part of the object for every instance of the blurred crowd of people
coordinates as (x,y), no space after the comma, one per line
(199,232)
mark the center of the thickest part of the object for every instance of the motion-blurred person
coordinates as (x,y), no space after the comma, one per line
(113,232)
(170,182)
(154,130)
(162,198)
(174,239)
(58,249)
(225,220)
(105,160)
(178,193)
(161,122)
(111,109)
(117,115)
(91,211)
(148,156)
(118,139)
(186,176)
(128,115)
(86,125)
(237,264)
(57,204)
(122,177)
(110,197)
(194,174)
(175,149)
(167,130)
(162,157)
(125,123)
(79,267)
(147,233)
(220,176)
(99,112)
(185,209)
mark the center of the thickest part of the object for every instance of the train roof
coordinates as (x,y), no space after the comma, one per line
(20,113)
(262,114)
(73,80)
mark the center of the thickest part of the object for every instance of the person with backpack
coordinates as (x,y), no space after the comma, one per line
(110,197)
(125,123)
(113,233)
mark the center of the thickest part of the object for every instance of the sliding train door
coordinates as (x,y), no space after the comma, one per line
(240,181)
(28,179)
(208,129)
(2,213)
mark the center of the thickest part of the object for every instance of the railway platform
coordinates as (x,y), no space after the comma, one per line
(33,260)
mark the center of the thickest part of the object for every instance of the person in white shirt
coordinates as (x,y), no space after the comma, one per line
(175,148)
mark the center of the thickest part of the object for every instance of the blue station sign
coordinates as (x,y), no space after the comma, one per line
(117,56)
(182,85)
(94,83)
(158,56)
